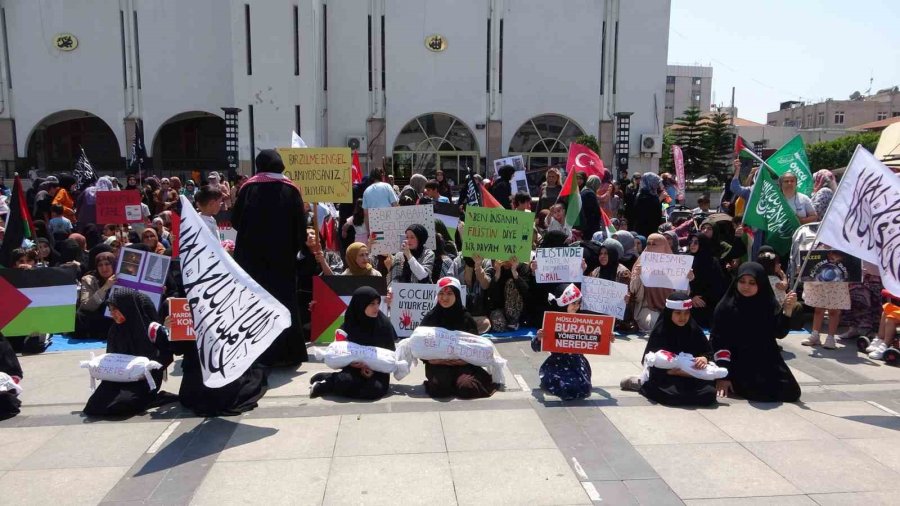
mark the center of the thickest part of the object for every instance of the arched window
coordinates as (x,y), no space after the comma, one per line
(544,140)
(434,141)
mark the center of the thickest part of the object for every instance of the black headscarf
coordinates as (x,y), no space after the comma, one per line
(670,337)
(709,279)
(268,160)
(554,239)
(70,251)
(454,317)
(130,336)
(421,237)
(609,271)
(749,310)
(96,250)
(53,258)
(364,330)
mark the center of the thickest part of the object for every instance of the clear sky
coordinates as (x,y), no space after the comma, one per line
(778,50)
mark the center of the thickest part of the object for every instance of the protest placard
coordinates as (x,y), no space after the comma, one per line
(447,212)
(559,265)
(118,207)
(181,321)
(332,294)
(577,333)
(388,225)
(519,180)
(411,302)
(662,270)
(322,174)
(142,271)
(831,266)
(497,234)
(603,296)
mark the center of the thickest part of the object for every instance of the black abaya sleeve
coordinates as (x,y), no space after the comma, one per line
(721,336)
(9,363)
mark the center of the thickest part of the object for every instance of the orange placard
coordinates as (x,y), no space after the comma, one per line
(583,334)
(181,321)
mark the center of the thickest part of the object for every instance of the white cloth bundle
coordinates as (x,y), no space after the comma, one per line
(340,354)
(120,368)
(436,343)
(8,385)
(663,359)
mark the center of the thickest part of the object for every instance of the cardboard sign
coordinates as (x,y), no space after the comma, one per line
(559,265)
(411,302)
(142,271)
(118,207)
(322,174)
(582,334)
(497,233)
(831,266)
(604,297)
(181,322)
(389,225)
(662,270)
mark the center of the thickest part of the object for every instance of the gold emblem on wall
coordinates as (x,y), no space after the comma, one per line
(65,42)
(436,43)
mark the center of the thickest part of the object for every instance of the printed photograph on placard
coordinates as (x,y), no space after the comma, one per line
(157,269)
(831,266)
(130,264)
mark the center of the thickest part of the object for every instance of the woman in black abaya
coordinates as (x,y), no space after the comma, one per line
(454,378)
(745,325)
(677,332)
(709,283)
(9,365)
(132,312)
(364,324)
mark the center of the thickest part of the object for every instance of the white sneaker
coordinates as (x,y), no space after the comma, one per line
(874,344)
(812,340)
(878,352)
(829,343)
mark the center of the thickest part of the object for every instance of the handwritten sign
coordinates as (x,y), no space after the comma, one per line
(497,234)
(389,226)
(322,174)
(559,265)
(411,302)
(662,270)
(582,334)
(181,321)
(118,207)
(603,296)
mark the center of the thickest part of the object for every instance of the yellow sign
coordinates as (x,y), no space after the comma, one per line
(322,174)
(65,42)
(436,43)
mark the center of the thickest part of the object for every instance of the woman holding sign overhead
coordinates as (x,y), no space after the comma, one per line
(649,301)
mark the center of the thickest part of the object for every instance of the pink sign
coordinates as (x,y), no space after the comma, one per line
(678,158)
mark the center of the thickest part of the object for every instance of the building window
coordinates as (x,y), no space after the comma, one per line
(809,120)
(821,118)
(896,114)
(544,140)
(670,79)
(839,117)
(435,141)
(881,116)
(696,81)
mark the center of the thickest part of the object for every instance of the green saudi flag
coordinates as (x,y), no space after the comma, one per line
(768,210)
(792,158)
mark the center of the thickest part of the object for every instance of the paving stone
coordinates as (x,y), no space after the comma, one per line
(614,492)
(252,483)
(282,438)
(75,486)
(390,433)
(494,430)
(663,425)
(652,492)
(762,422)
(95,445)
(782,500)
(818,466)
(535,477)
(696,471)
(802,377)
(610,374)
(867,498)
(850,419)
(18,443)
(878,449)
(391,480)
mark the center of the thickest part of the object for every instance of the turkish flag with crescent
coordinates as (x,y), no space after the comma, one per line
(356,174)
(583,159)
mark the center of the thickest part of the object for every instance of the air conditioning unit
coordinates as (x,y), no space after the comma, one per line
(358,143)
(651,144)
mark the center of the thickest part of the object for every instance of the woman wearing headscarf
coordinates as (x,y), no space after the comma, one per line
(132,313)
(415,262)
(626,239)
(823,191)
(647,207)
(9,365)
(550,189)
(476,274)
(90,321)
(454,378)
(70,253)
(677,332)
(189,190)
(589,220)
(501,189)
(443,261)
(710,281)
(150,238)
(413,191)
(443,184)
(535,298)
(509,294)
(649,302)
(366,325)
(746,323)
(47,256)
(87,202)
(357,261)
(609,267)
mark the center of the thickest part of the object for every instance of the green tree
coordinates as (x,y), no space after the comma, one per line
(689,133)
(836,153)
(665,160)
(718,146)
(589,141)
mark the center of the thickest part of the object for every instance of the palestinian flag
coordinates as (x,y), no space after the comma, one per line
(488,200)
(37,300)
(572,196)
(332,296)
(744,149)
(606,225)
(18,225)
